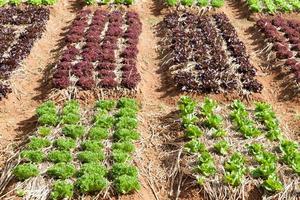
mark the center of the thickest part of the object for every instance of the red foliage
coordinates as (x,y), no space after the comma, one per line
(104,73)
(67,57)
(73,38)
(280,46)
(106,65)
(64,66)
(290,62)
(86,83)
(61,83)
(108,83)
(294,40)
(284,54)
(295,47)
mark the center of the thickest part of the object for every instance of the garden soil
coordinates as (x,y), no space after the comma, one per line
(31,86)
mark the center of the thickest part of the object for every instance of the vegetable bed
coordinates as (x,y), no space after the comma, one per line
(19,29)
(78,152)
(203,54)
(228,149)
(283,46)
(100,52)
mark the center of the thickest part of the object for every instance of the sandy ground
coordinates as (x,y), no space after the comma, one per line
(30,89)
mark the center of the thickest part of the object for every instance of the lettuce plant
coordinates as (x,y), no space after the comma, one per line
(90,157)
(126,134)
(125,184)
(33,155)
(194,146)
(127,123)
(235,169)
(92,145)
(106,104)
(127,103)
(203,3)
(125,146)
(92,168)
(25,171)
(44,131)
(61,170)
(90,183)
(38,143)
(120,156)
(222,147)
(73,131)
(193,131)
(61,190)
(60,156)
(119,169)
(206,164)
(64,144)
(98,133)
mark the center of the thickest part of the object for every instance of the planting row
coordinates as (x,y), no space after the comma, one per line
(30,2)
(19,29)
(200,3)
(283,37)
(100,51)
(273,6)
(204,54)
(78,152)
(235,145)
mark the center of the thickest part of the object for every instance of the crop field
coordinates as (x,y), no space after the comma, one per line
(283,37)
(227,147)
(100,51)
(19,28)
(204,54)
(75,151)
(149,100)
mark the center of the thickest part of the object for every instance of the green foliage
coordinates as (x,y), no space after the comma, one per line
(92,145)
(194,146)
(92,168)
(61,170)
(47,111)
(15,2)
(125,146)
(235,169)
(125,184)
(70,118)
(119,169)
(73,131)
(171,2)
(106,104)
(90,157)
(127,103)
(208,107)
(128,2)
(120,156)
(61,190)
(272,184)
(291,155)
(60,156)
(71,106)
(44,131)
(98,133)
(187,2)
(33,155)
(127,112)
(3,2)
(90,183)
(48,119)
(186,104)
(25,171)
(126,134)
(217,3)
(104,120)
(219,133)
(64,144)
(206,164)
(35,2)
(118,1)
(222,147)
(213,121)
(46,108)
(203,3)
(127,123)
(193,131)
(49,2)
(255,149)
(38,143)
(265,114)
(189,119)
(20,193)
(243,123)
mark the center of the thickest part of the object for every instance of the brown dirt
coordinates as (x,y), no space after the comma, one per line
(157,100)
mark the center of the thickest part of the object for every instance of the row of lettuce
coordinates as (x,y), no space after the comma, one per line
(238,165)
(83,157)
